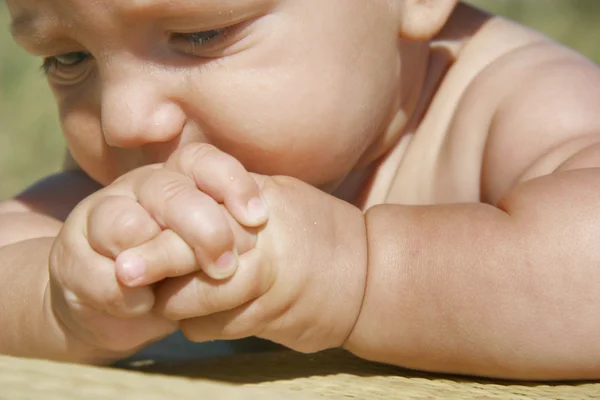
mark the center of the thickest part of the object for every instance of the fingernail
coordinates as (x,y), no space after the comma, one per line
(225,266)
(134,269)
(257,209)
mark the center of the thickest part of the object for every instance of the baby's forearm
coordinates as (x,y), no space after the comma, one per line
(29,327)
(477,290)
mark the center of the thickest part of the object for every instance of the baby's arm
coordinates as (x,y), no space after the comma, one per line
(28,225)
(61,292)
(510,289)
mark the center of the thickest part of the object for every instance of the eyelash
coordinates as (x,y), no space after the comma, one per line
(196,38)
(50,64)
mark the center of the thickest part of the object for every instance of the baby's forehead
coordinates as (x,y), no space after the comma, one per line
(125,7)
(25,13)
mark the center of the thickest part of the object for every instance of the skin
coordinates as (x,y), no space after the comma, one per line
(445,256)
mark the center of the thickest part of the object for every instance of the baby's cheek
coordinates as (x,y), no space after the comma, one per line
(282,123)
(308,150)
(308,161)
(89,150)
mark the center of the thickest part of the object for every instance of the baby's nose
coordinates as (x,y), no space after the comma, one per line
(136,112)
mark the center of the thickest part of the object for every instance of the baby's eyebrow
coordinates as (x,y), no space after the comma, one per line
(31,28)
(23,24)
(176,8)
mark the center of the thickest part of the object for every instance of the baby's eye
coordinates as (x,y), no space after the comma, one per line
(64,61)
(201,38)
(198,42)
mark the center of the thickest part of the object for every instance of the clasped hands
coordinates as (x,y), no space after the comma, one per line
(199,244)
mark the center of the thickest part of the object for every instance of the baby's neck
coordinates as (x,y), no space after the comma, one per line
(370,185)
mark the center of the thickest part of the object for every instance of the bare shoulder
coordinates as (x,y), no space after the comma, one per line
(54,196)
(40,210)
(541,101)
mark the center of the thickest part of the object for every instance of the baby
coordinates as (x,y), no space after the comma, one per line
(414,181)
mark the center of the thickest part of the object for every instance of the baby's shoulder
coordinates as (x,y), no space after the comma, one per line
(511,64)
(523,97)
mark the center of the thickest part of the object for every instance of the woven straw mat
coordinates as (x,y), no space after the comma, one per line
(273,375)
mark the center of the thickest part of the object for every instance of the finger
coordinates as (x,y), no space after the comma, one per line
(112,333)
(199,295)
(224,178)
(165,256)
(92,286)
(117,223)
(239,323)
(174,201)
(168,256)
(251,320)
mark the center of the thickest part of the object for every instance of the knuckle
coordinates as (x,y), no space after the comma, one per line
(118,222)
(174,191)
(163,190)
(111,212)
(103,207)
(127,224)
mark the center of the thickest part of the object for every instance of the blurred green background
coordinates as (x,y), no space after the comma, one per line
(30,141)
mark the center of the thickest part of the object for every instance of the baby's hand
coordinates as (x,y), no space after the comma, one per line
(111,320)
(206,209)
(108,305)
(300,280)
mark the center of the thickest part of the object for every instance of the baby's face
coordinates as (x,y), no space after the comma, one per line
(306,88)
